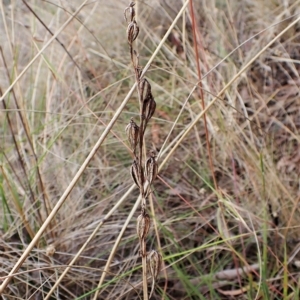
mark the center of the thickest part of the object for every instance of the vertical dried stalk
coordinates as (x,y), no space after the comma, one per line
(135,134)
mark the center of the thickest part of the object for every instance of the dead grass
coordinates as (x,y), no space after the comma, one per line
(204,233)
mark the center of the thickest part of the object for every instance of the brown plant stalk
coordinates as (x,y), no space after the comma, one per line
(139,173)
(211,165)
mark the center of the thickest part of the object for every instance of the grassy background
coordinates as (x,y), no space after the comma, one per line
(52,117)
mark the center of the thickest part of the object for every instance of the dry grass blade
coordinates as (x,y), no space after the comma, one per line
(54,36)
(106,217)
(151,110)
(116,244)
(241,232)
(49,30)
(189,127)
(25,126)
(196,120)
(67,191)
(194,27)
(132,187)
(18,207)
(109,214)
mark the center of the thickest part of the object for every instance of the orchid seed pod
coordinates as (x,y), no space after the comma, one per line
(151,167)
(149,106)
(135,173)
(132,31)
(132,131)
(154,265)
(145,89)
(129,12)
(143,225)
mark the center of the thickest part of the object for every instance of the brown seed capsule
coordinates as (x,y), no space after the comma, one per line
(129,12)
(151,167)
(145,88)
(143,225)
(132,131)
(154,265)
(132,31)
(135,173)
(149,106)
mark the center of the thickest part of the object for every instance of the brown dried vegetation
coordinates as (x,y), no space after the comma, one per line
(237,241)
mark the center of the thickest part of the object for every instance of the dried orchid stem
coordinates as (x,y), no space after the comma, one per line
(140,171)
(141,132)
(136,138)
